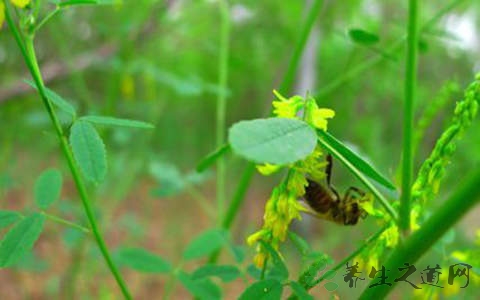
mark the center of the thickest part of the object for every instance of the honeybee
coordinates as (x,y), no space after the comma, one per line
(327,204)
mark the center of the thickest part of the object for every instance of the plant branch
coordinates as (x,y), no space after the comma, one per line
(408,112)
(222,104)
(28,52)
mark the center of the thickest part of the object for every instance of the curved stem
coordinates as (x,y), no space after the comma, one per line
(27,49)
(408,110)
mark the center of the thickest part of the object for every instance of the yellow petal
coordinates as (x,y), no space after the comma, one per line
(326,113)
(20,3)
(2,13)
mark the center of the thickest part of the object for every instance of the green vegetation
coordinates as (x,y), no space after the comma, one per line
(132,132)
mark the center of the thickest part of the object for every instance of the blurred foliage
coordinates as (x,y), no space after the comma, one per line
(157,61)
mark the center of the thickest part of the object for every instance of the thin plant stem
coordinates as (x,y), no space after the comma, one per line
(46,19)
(351,256)
(28,52)
(454,208)
(246,177)
(66,222)
(287,82)
(408,111)
(222,104)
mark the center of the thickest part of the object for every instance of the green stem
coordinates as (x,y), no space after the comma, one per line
(410,86)
(172,281)
(463,200)
(66,222)
(246,177)
(359,69)
(289,78)
(351,256)
(28,52)
(46,19)
(222,103)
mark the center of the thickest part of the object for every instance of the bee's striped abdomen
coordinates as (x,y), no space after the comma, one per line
(318,198)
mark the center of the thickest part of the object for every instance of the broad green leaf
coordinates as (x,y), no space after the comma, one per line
(299,291)
(363,37)
(89,151)
(354,159)
(111,121)
(274,140)
(208,160)
(142,260)
(225,273)
(8,217)
(202,289)
(206,243)
(330,286)
(279,270)
(47,188)
(268,289)
(20,239)
(56,99)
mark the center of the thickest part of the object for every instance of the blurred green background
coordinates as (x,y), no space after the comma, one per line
(157,61)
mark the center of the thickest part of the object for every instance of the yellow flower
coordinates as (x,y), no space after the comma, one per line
(2,13)
(17,3)
(268,169)
(20,3)
(287,108)
(317,116)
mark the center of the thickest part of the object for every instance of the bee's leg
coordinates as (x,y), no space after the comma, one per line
(348,195)
(352,189)
(328,169)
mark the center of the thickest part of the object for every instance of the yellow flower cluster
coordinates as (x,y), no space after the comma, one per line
(283,205)
(17,3)
(280,210)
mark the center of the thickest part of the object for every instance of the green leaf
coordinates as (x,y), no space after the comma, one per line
(279,270)
(206,243)
(47,188)
(354,159)
(299,291)
(20,239)
(56,99)
(142,260)
(8,217)
(225,273)
(207,161)
(203,289)
(111,121)
(330,286)
(89,151)
(274,140)
(268,289)
(363,37)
